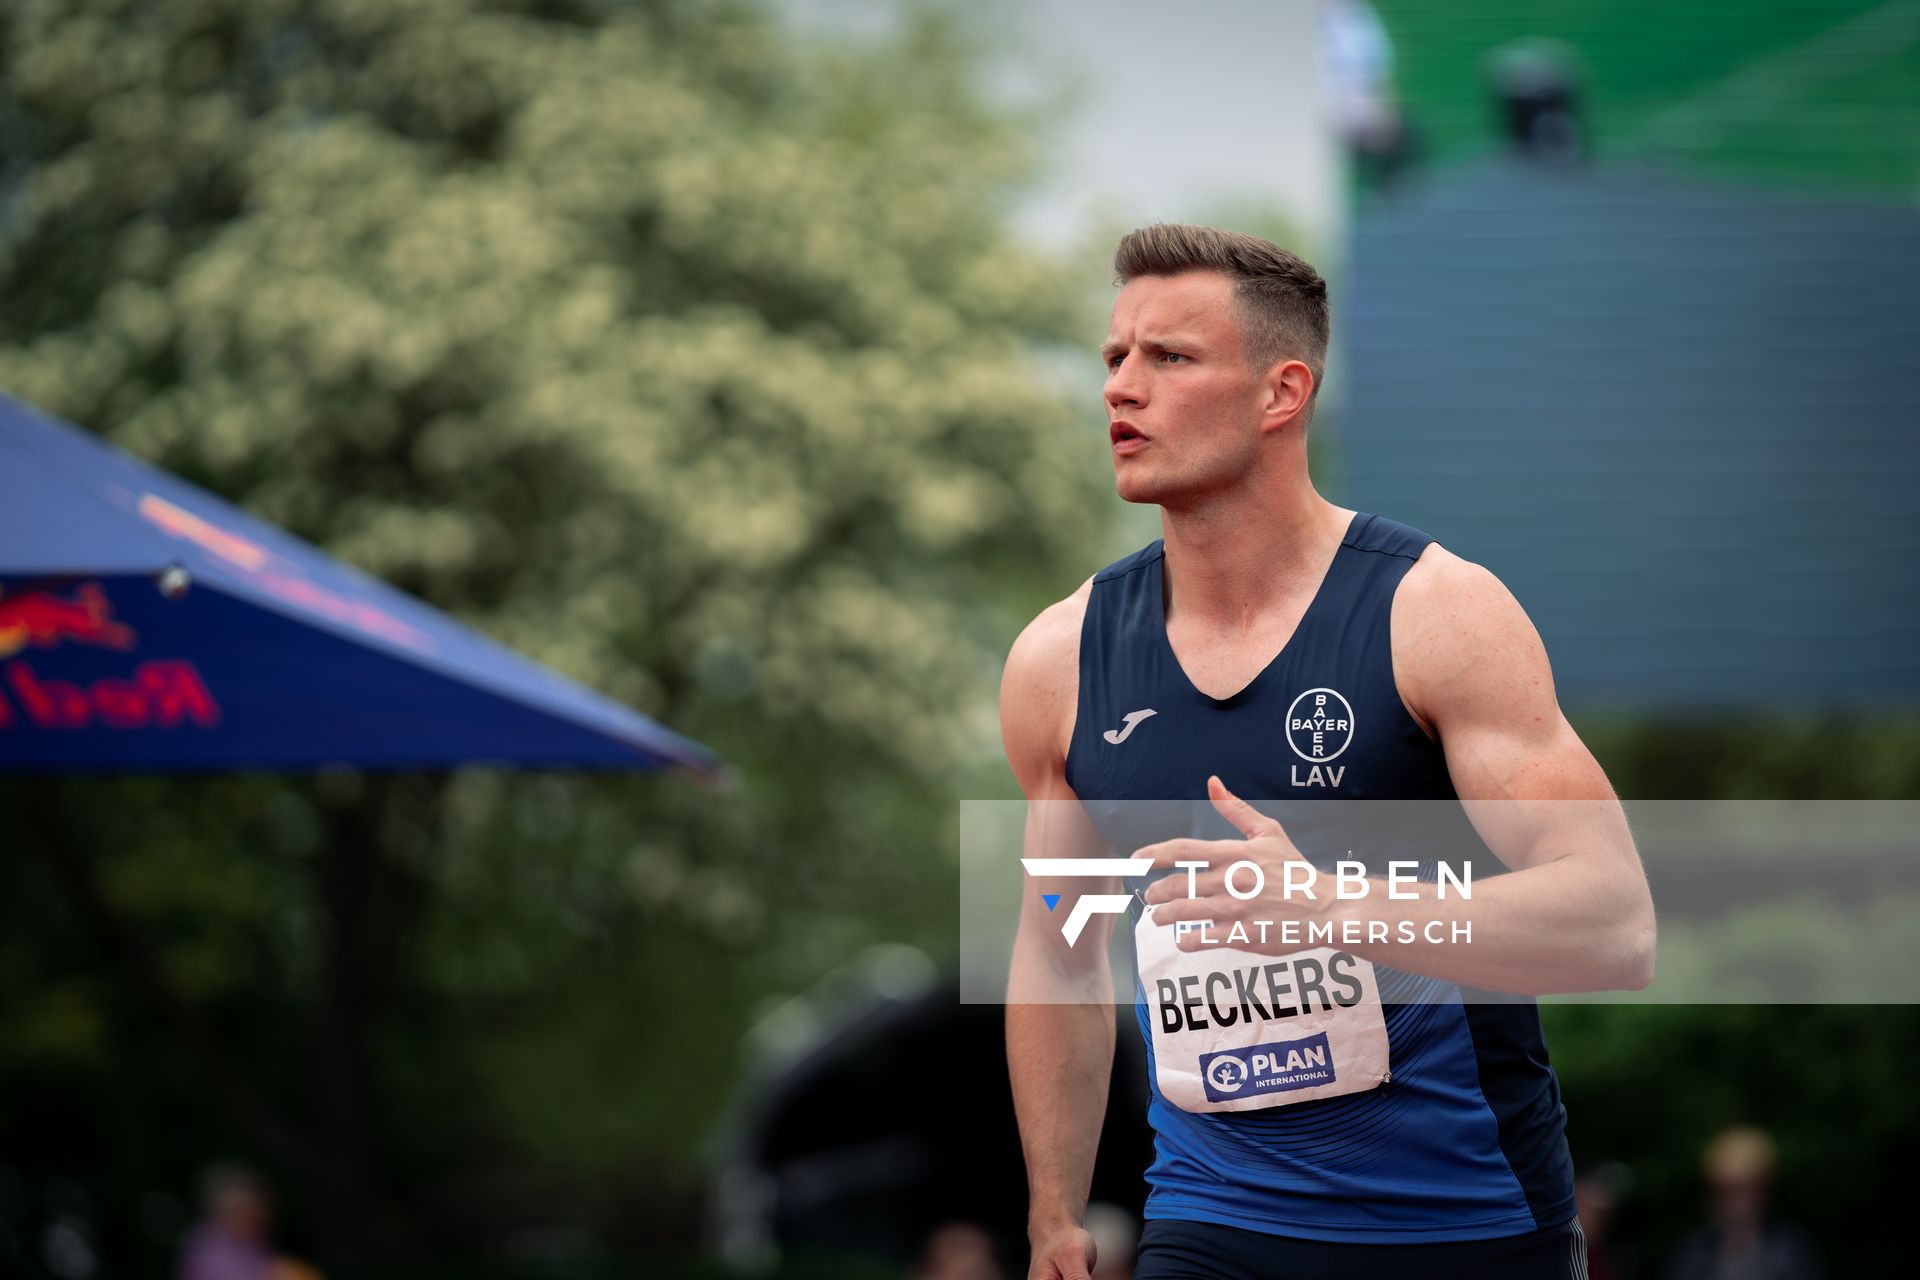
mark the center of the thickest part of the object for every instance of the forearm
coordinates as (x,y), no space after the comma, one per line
(1581,923)
(1059,1057)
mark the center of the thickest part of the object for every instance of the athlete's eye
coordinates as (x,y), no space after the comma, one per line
(1171,355)
(1113,362)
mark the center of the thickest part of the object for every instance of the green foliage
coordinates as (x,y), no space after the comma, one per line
(1649,1087)
(1802,755)
(666,350)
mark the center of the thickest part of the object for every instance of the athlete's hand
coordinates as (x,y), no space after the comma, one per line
(1064,1254)
(1266,845)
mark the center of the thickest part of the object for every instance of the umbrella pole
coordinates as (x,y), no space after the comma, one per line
(346,876)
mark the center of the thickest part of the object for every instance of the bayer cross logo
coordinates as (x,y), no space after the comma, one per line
(1227,1073)
(1319,725)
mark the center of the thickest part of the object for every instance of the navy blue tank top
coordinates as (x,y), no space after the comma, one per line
(1466,1139)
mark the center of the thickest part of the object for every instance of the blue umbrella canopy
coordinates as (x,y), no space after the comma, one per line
(147,625)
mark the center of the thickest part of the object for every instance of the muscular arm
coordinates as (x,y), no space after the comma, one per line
(1574,914)
(1060,1016)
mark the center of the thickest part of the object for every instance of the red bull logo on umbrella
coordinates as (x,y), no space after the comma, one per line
(44,620)
(155,694)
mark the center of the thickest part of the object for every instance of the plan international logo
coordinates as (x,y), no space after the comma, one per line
(1267,1068)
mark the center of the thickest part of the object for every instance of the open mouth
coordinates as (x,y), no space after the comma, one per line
(1120,432)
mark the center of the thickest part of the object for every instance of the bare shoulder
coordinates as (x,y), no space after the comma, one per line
(1459,636)
(1040,688)
(1444,590)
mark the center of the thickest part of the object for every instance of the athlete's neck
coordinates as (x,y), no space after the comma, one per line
(1228,565)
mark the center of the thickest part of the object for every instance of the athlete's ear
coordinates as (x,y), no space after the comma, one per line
(1286,391)
(1246,819)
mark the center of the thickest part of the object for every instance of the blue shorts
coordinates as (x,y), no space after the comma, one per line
(1172,1250)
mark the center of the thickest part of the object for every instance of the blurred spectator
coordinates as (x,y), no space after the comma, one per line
(1115,1235)
(1599,1192)
(958,1251)
(232,1240)
(1739,1244)
(230,1243)
(1536,84)
(1357,62)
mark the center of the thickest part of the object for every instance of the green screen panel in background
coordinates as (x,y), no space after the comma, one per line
(1789,92)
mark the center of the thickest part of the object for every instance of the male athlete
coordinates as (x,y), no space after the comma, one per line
(1275,647)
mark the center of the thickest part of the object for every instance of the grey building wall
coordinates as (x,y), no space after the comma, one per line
(1677,418)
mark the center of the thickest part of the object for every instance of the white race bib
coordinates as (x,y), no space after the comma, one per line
(1234,1030)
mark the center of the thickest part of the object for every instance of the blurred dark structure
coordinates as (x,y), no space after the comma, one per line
(1674,416)
(895,1121)
(1536,85)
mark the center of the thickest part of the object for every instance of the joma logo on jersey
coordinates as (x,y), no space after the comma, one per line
(1319,728)
(1268,1068)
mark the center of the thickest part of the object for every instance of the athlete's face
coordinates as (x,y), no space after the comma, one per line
(1184,411)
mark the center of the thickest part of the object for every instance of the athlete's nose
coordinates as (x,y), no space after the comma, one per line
(1125,385)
